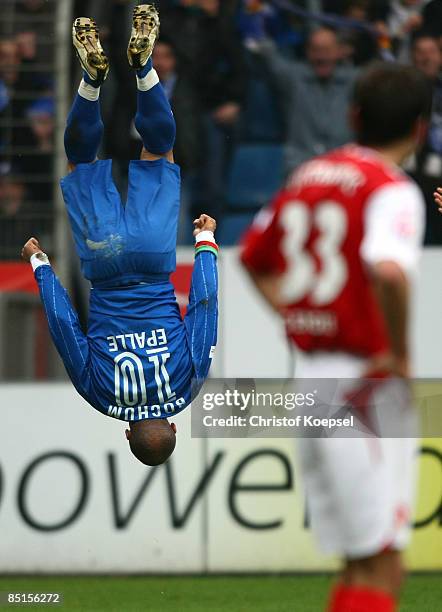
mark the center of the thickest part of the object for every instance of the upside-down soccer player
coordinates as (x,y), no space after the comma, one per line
(139,358)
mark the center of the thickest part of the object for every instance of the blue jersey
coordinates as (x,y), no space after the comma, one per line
(139,358)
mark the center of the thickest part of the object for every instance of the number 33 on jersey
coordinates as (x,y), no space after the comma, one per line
(337,215)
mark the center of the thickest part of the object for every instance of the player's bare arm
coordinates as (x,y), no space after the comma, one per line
(265,276)
(392,290)
(438,198)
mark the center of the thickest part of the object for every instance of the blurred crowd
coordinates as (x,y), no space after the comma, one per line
(259,87)
(27,112)
(256,88)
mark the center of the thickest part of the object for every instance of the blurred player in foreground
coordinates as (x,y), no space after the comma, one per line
(335,254)
(139,358)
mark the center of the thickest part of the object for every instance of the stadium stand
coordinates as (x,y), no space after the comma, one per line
(27,127)
(261,119)
(232,226)
(256,173)
(27,122)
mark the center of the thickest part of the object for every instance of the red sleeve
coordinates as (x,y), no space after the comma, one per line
(261,244)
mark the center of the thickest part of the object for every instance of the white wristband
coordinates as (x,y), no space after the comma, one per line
(39,259)
(205,236)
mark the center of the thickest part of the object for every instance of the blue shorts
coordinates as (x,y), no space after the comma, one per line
(119,243)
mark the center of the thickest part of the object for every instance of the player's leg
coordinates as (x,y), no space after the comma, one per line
(379,573)
(92,200)
(354,509)
(377,579)
(154,119)
(153,197)
(84,127)
(369,585)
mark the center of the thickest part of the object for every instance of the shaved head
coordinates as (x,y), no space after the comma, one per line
(152,442)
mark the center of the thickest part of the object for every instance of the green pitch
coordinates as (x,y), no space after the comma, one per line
(203,594)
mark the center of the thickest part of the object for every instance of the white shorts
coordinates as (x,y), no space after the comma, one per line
(359,490)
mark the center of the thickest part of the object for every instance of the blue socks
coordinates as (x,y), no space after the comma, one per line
(84,128)
(87,79)
(154,119)
(147,68)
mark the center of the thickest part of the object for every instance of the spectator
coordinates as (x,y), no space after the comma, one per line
(27,45)
(41,118)
(360,44)
(206,39)
(22,87)
(34,24)
(220,71)
(12,192)
(182,97)
(426,56)
(426,167)
(377,9)
(404,18)
(14,223)
(177,81)
(8,75)
(27,121)
(432,18)
(314,93)
(187,150)
(373,12)
(38,166)
(287,29)
(9,62)
(11,112)
(207,88)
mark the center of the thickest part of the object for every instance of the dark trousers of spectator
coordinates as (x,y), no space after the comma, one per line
(212,177)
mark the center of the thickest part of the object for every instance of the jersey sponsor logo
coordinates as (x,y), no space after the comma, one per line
(312,322)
